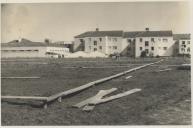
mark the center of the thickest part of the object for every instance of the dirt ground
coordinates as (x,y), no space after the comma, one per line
(165,97)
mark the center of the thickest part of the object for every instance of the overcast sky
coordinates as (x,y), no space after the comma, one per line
(63,21)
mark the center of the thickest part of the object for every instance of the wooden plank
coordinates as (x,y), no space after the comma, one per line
(88,108)
(92,103)
(33,77)
(88,85)
(168,69)
(99,95)
(25,97)
(118,96)
(128,77)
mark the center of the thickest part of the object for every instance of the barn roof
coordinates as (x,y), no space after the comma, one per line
(130,34)
(181,36)
(155,34)
(100,34)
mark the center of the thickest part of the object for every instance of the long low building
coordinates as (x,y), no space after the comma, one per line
(134,43)
(28,49)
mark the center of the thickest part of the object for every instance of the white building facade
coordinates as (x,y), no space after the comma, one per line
(107,42)
(182,42)
(154,43)
(31,50)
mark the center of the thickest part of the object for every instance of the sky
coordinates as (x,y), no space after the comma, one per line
(63,21)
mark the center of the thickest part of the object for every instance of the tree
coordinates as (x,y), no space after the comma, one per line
(47,41)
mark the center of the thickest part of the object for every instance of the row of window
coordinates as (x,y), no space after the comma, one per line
(152,48)
(183,49)
(153,39)
(100,47)
(56,50)
(183,42)
(20,50)
(100,39)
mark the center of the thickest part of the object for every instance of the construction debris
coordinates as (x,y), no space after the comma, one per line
(168,69)
(90,103)
(88,85)
(128,77)
(98,96)
(33,77)
(59,96)
(25,97)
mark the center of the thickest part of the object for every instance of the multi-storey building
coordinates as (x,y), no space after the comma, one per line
(182,43)
(107,42)
(154,43)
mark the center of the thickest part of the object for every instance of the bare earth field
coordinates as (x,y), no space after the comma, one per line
(165,97)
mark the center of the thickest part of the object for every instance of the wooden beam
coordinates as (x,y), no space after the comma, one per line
(168,69)
(128,77)
(25,97)
(88,85)
(92,104)
(34,77)
(98,96)
(118,96)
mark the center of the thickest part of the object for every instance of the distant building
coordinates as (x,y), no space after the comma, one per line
(107,42)
(29,49)
(182,43)
(154,43)
(66,44)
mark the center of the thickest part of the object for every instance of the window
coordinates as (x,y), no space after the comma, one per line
(90,47)
(152,48)
(5,50)
(146,50)
(159,39)
(182,49)
(100,39)
(109,38)
(134,40)
(152,40)
(146,43)
(165,48)
(141,48)
(183,42)
(114,47)
(95,49)
(129,40)
(188,42)
(100,47)
(81,40)
(95,42)
(114,39)
(188,49)
(141,39)
(165,40)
